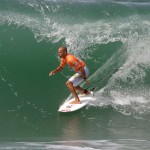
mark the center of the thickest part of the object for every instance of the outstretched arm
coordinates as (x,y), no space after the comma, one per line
(56,70)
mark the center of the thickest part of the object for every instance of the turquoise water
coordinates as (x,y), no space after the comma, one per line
(112,37)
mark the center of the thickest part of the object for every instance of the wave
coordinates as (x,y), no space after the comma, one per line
(81,145)
(91,34)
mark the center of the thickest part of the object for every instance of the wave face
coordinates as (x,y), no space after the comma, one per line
(111,36)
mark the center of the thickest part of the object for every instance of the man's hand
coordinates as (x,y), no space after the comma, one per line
(52,73)
(87,82)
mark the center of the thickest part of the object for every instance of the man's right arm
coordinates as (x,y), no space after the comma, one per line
(56,70)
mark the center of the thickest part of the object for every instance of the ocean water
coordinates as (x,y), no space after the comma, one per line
(112,37)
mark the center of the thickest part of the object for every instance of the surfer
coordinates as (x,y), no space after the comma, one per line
(81,73)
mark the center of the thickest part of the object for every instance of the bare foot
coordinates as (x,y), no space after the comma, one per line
(86,93)
(75,102)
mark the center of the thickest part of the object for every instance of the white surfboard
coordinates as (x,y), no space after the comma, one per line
(67,107)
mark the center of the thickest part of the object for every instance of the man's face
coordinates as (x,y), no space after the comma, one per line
(61,53)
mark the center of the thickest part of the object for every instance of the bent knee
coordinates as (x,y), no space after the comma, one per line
(68,83)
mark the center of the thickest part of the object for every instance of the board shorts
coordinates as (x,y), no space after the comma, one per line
(77,78)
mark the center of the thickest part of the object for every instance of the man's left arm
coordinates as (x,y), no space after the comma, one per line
(81,69)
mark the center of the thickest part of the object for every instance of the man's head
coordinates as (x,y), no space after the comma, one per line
(62,52)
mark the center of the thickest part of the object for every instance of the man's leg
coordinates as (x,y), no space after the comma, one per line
(73,91)
(81,90)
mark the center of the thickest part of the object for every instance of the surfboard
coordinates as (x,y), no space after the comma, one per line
(67,107)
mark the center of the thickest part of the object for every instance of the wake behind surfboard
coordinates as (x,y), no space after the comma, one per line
(67,107)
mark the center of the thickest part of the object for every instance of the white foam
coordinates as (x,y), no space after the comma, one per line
(117,144)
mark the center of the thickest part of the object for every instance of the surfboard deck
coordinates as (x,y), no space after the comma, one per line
(67,107)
